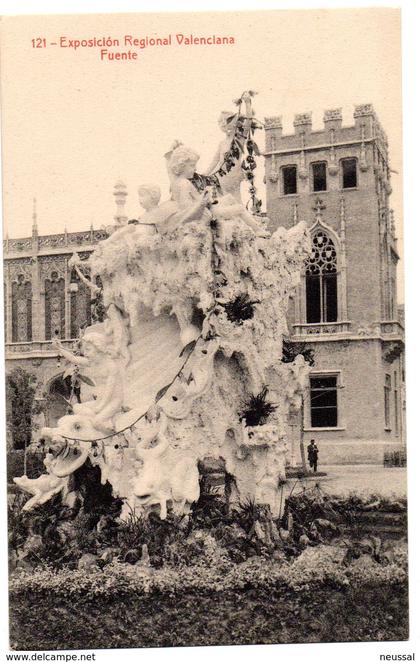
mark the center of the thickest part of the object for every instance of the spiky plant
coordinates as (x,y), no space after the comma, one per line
(210,509)
(292,349)
(131,532)
(257,409)
(240,309)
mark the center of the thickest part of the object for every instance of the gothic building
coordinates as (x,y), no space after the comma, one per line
(44,300)
(338,181)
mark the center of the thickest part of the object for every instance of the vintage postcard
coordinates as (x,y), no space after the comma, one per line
(204,329)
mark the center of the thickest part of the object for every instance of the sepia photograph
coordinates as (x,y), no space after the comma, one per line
(204,335)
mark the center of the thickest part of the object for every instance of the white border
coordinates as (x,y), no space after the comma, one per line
(411,28)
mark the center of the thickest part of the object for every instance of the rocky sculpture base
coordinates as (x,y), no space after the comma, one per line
(187,364)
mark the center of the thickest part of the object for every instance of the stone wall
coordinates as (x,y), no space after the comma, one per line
(365,343)
(361,435)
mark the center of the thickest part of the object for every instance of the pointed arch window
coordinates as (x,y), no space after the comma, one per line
(54,307)
(321,280)
(21,310)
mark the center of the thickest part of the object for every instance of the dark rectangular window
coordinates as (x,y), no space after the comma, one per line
(349,173)
(313,299)
(321,298)
(329,298)
(324,411)
(289,180)
(319,176)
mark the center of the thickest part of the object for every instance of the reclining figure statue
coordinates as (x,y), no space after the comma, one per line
(61,461)
(44,487)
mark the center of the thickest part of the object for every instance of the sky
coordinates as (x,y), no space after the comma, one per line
(74,125)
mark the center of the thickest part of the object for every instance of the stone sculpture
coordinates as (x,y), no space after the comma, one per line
(231,182)
(166,475)
(196,297)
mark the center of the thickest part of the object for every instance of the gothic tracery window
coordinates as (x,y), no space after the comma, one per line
(21,310)
(321,280)
(55,307)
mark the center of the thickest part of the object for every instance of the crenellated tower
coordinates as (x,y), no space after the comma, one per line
(337,179)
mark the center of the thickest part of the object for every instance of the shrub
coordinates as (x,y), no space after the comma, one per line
(66,533)
(15,464)
(240,309)
(311,506)
(20,402)
(315,567)
(396,458)
(315,598)
(167,540)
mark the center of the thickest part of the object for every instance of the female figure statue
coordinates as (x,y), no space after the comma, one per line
(108,371)
(231,182)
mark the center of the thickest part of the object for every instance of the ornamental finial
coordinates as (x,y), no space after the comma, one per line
(34,217)
(120,194)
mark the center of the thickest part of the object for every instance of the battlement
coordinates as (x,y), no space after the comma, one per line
(366,128)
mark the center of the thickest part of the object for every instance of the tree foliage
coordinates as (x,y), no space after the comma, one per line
(292,349)
(20,405)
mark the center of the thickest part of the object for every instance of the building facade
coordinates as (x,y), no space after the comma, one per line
(44,300)
(345,310)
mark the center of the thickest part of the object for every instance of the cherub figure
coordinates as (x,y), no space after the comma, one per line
(108,370)
(157,215)
(149,197)
(194,205)
(181,164)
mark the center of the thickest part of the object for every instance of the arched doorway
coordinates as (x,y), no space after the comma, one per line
(60,398)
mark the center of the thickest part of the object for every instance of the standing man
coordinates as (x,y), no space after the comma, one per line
(313,455)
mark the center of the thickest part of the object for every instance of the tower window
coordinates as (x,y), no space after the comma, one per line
(349,173)
(319,176)
(321,281)
(323,398)
(289,180)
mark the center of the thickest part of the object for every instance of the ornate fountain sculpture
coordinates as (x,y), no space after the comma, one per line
(196,296)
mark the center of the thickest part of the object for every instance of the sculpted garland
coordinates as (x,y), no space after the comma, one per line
(196,294)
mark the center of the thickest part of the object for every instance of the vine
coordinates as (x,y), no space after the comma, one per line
(242,146)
